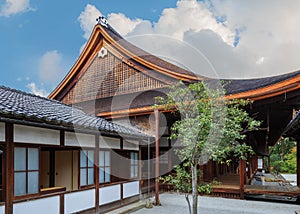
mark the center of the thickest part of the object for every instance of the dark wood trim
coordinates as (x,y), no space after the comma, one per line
(52,168)
(140,168)
(9,168)
(61,203)
(122,192)
(62,138)
(121,143)
(156,115)
(242,177)
(96,173)
(298,162)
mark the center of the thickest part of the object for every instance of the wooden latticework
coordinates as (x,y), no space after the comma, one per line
(107,77)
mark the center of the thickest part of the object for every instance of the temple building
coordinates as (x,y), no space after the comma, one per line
(97,143)
(116,80)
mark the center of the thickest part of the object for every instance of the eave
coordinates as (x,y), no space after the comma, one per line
(273,90)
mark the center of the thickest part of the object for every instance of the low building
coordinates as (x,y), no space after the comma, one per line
(57,159)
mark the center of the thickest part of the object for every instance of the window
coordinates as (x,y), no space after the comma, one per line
(134,165)
(26,171)
(86,167)
(104,166)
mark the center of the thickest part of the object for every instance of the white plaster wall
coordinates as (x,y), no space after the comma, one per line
(2,131)
(79,139)
(2,209)
(131,189)
(109,142)
(29,134)
(131,145)
(44,206)
(78,201)
(109,194)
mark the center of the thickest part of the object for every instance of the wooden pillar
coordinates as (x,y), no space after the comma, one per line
(298,162)
(242,177)
(9,168)
(170,162)
(96,170)
(61,203)
(156,114)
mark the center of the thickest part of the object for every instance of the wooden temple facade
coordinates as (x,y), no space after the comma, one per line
(98,144)
(118,81)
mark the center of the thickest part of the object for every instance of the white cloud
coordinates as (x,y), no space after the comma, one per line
(239,39)
(122,23)
(12,7)
(88,18)
(37,91)
(50,67)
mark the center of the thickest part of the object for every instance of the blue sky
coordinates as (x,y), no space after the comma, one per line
(41,40)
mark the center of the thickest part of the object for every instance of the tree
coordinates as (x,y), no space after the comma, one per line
(210,127)
(283,156)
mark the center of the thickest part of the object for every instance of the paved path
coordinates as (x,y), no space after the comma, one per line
(175,203)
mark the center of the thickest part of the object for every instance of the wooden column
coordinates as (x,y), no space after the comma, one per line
(242,177)
(96,170)
(156,115)
(9,168)
(298,162)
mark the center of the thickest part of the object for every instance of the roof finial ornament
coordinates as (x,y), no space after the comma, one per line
(102,21)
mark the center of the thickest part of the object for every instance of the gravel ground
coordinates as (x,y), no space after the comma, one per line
(176,203)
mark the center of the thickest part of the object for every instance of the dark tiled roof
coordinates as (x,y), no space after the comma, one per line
(24,106)
(144,54)
(242,85)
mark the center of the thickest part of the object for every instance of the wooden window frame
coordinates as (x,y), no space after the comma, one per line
(26,171)
(105,167)
(86,167)
(134,164)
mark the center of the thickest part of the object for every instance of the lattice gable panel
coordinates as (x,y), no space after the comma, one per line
(109,76)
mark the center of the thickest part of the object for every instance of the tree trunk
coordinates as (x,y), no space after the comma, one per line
(188,201)
(194,187)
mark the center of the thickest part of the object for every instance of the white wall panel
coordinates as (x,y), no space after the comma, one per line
(131,189)
(131,145)
(78,201)
(2,209)
(44,206)
(79,139)
(2,131)
(110,194)
(29,134)
(109,142)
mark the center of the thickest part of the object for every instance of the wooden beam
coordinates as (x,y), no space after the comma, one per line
(9,168)
(96,169)
(61,203)
(242,177)
(156,115)
(298,162)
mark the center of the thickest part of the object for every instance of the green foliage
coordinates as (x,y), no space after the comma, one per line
(283,156)
(210,128)
(181,180)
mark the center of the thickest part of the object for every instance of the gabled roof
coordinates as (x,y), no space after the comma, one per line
(23,106)
(145,62)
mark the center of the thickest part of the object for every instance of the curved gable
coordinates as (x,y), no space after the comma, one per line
(148,65)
